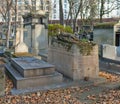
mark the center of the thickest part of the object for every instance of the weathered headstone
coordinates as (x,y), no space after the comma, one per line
(36,36)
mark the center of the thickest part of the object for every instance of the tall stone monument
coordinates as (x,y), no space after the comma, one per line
(36,34)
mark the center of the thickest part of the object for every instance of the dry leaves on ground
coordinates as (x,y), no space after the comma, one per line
(110,77)
(109,97)
(62,96)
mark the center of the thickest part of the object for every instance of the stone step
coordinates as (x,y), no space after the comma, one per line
(30,82)
(30,67)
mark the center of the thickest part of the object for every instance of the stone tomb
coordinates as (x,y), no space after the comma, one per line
(29,72)
(72,63)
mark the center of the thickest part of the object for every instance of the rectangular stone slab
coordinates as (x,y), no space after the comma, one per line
(30,67)
(31,82)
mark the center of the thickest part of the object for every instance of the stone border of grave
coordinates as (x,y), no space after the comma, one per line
(72,63)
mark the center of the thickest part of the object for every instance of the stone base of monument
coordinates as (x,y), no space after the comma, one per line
(29,72)
(21,47)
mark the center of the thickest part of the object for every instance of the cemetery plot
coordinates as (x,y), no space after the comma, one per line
(74,58)
(31,72)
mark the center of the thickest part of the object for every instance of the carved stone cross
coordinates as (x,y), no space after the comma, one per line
(19,34)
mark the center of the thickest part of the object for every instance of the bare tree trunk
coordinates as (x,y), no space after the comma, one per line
(61,12)
(101,19)
(16,17)
(76,15)
(101,10)
(9,28)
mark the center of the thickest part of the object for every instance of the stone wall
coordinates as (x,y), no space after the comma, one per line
(73,64)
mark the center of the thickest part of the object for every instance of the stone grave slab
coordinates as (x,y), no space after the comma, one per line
(27,82)
(30,72)
(30,66)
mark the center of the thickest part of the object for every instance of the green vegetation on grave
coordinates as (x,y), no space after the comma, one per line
(85,46)
(67,41)
(55,29)
(104,25)
(64,36)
